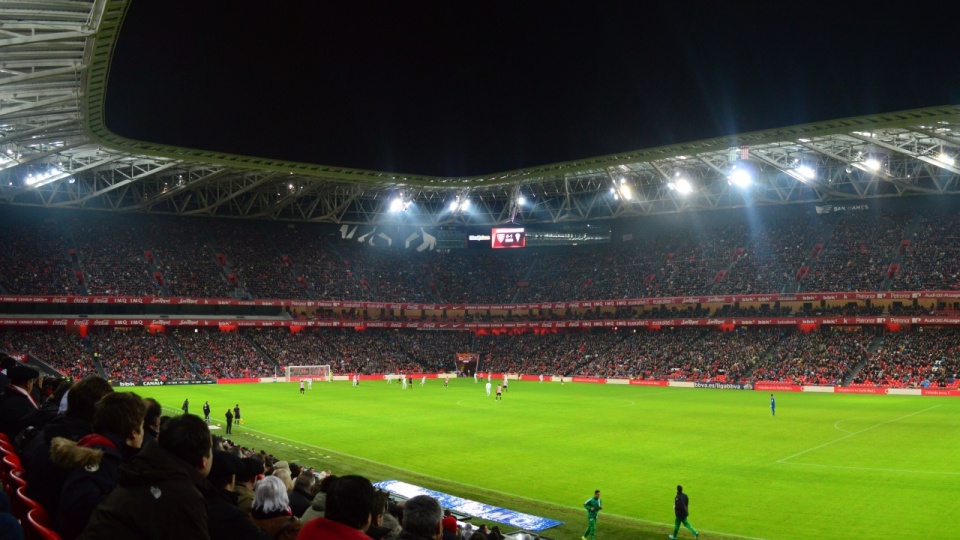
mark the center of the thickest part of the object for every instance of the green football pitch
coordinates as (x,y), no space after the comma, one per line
(826,466)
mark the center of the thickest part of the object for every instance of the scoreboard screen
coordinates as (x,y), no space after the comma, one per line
(508,238)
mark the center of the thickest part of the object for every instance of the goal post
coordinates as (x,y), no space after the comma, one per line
(318,373)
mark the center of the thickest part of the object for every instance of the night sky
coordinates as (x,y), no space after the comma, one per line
(455,88)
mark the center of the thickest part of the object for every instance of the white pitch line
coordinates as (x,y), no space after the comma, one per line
(855,433)
(488,490)
(874,469)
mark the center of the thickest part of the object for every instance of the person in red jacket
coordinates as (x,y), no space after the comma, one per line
(349,504)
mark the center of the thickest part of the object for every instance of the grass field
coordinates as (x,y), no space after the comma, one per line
(827,466)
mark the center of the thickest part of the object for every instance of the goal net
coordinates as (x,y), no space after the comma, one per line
(318,373)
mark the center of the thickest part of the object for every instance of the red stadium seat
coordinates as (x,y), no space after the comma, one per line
(13,480)
(22,504)
(11,461)
(37,526)
(6,447)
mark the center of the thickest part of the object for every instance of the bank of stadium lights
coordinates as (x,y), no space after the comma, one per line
(806,172)
(740,176)
(621,190)
(43,178)
(680,184)
(400,204)
(460,204)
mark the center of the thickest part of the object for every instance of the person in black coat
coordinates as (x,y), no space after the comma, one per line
(163,490)
(18,403)
(94,461)
(6,362)
(44,481)
(300,496)
(681,509)
(225,520)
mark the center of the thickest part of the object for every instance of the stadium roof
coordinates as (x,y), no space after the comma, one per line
(56,152)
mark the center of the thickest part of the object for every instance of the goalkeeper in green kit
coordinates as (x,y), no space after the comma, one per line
(593,505)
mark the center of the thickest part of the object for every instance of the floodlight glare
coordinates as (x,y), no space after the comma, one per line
(681,186)
(946,159)
(740,177)
(396,205)
(625,192)
(454,205)
(521,200)
(873,164)
(807,172)
(44,178)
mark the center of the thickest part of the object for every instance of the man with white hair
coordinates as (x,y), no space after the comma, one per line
(422,519)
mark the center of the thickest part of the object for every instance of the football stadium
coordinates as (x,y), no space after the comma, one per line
(770,320)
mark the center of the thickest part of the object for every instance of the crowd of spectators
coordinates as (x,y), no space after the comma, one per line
(932,259)
(112,257)
(771,257)
(222,355)
(911,359)
(858,253)
(34,259)
(389,274)
(89,467)
(850,251)
(69,354)
(133,355)
(826,356)
(252,252)
(823,357)
(185,257)
(475,277)
(348,351)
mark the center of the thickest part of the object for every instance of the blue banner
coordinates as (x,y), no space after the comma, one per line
(472,508)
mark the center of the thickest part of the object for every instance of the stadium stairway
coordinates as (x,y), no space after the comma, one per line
(183,358)
(74,261)
(260,351)
(871,350)
(909,236)
(828,226)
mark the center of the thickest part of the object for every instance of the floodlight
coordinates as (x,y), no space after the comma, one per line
(946,159)
(807,172)
(873,164)
(44,178)
(681,186)
(396,205)
(521,200)
(740,177)
(459,205)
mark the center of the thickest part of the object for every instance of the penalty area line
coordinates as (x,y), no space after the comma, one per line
(877,469)
(855,433)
